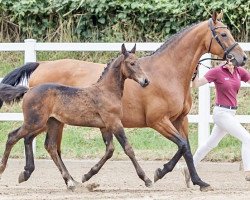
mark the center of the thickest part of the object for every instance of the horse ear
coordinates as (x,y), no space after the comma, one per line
(214,16)
(133,50)
(124,50)
(219,17)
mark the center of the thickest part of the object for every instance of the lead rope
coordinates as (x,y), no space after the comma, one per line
(200,63)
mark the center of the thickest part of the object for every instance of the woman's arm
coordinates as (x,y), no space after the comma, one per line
(197,82)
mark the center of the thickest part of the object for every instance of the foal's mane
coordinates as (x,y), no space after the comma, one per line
(114,62)
(175,38)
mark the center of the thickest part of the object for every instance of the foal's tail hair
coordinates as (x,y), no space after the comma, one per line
(10,94)
(18,75)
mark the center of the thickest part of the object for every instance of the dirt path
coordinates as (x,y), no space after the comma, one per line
(118,180)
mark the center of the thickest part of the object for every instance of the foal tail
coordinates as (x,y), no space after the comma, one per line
(17,76)
(10,94)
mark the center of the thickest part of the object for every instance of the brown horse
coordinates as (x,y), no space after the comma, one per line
(95,106)
(165,103)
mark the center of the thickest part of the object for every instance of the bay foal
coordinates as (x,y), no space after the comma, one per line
(48,106)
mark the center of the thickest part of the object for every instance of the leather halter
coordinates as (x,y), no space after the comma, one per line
(226,50)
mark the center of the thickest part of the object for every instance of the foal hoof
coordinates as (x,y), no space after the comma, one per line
(206,188)
(23,177)
(157,175)
(148,183)
(85,178)
(71,185)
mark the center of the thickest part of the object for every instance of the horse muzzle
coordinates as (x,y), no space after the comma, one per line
(237,61)
(145,82)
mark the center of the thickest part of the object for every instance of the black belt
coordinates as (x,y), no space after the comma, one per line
(228,107)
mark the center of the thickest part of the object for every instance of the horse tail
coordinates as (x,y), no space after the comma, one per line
(10,94)
(18,75)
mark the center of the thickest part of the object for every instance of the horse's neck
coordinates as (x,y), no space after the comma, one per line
(183,55)
(113,81)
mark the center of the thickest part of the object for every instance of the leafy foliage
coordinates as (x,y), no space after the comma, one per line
(113,20)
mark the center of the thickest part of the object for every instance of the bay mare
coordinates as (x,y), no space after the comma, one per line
(48,106)
(165,103)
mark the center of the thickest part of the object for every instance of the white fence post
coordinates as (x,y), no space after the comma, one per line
(30,52)
(30,56)
(204,105)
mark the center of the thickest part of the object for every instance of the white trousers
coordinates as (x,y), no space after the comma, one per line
(225,122)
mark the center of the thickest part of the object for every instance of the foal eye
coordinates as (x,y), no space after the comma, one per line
(224,35)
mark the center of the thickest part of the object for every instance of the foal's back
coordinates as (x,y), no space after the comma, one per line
(69,105)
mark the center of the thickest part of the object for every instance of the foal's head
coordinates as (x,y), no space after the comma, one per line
(131,68)
(222,42)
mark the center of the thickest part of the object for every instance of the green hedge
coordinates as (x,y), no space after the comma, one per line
(113,20)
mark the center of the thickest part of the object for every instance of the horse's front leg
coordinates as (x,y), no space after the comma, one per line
(108,140)
(182,127)
(166,128)
(121,137)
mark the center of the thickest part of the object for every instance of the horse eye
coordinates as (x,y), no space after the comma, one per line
(224,35)
(132,63)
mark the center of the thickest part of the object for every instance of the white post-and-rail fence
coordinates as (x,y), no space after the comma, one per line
(30,47)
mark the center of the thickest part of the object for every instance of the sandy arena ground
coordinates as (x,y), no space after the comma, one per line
(118,180)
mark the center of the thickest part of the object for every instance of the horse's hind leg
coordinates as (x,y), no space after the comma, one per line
(122,139)
(30,165)
(13,138)
(51,146)
(108,140)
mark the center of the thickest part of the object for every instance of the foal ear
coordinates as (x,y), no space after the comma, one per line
(124,50)
(219,17)
(214,16)
(133,50)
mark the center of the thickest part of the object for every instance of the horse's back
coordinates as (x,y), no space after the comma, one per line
(67,71)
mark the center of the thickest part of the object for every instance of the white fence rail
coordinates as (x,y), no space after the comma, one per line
(30,47)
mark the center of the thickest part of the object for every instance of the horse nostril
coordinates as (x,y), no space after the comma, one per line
(244,58)
(146,82)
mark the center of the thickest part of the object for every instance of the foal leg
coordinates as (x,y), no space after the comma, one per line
(30,165)
(121,137)
(51,146)
(166,128)
(108,140)
(13,138)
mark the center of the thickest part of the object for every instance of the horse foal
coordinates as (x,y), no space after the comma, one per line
(48,106)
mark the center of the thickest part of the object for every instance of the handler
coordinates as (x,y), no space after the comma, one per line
(227,80)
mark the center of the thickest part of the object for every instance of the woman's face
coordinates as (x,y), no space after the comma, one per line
(230,65)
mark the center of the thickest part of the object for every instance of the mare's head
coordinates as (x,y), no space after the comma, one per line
(131,68)
(221,42)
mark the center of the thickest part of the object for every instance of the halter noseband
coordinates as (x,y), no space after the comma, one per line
(215,36)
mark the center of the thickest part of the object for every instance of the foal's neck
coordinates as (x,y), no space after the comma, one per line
(113,80)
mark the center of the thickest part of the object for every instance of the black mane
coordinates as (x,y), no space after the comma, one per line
(109,64)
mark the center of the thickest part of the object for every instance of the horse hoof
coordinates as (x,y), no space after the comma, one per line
(206,188)
(71,185)
(22,177)
(148,183)
(157,175)
(84,179)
